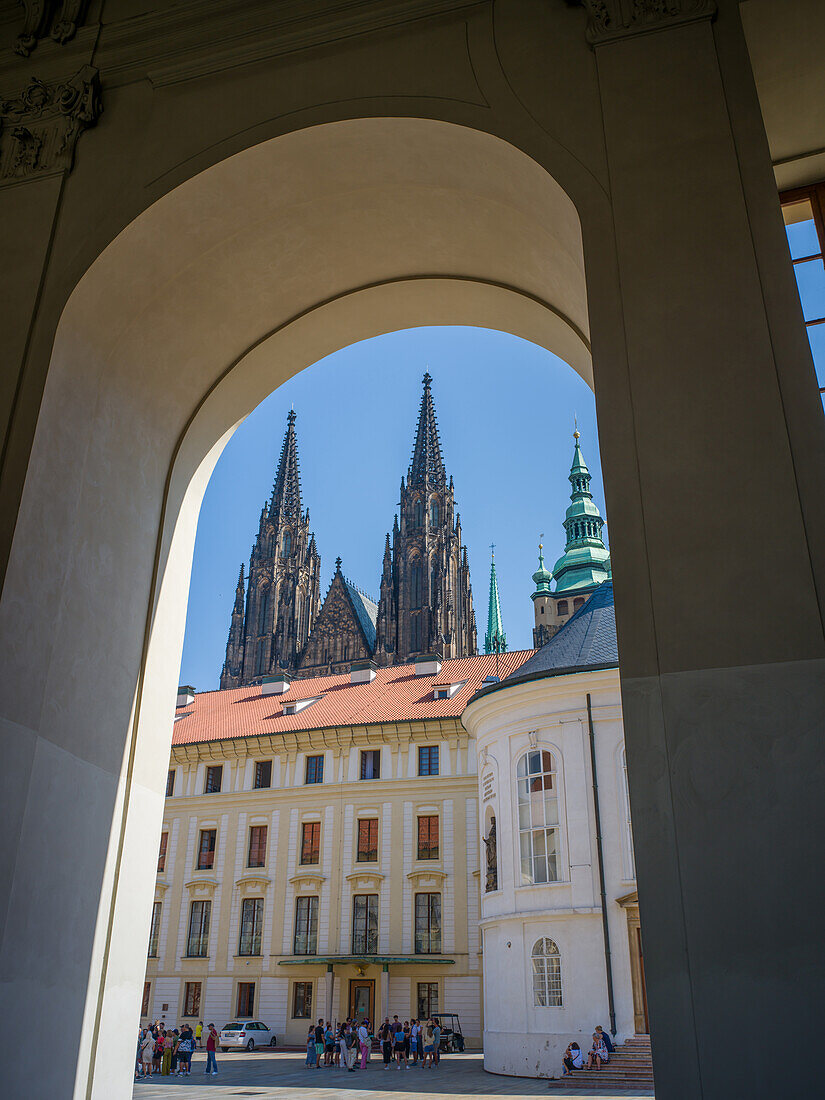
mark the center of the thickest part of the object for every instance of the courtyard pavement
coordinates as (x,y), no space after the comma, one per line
(282,1076)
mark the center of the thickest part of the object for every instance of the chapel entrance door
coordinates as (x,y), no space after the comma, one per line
(362,999)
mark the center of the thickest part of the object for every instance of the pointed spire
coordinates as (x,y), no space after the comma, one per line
(427,465)
(584,562)
(542,577)
(495,640)
(286,491)
(239,593)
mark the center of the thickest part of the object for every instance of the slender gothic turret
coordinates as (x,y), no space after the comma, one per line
(495,640)
(584,564)
(426,601)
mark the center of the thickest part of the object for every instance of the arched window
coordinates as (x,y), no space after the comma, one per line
(286,546)
(260,656)
(627,820)
(562,607)
(578,602)
(263,610)
(419,513)
(546,974)
(433,583)
(415,585)
(434,513)
(538,817)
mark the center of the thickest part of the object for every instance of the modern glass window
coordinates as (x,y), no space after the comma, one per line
(144,1004)
(365,924)
(263,774)
(257,846)
(427,999)
(803,211)
(192,999)
(206,849)
(197,942)
(164,840)
(170,782)
(538,817)
(371,764)
(154,930)
(302,1001)
(428,836)
(246,999)
(311,842)
(315,769)
(306,926)
(252,921)
(428,924)
(367,840)
(546,974)
(214,778)
(428,759)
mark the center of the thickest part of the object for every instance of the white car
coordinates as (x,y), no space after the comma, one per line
(246,1035)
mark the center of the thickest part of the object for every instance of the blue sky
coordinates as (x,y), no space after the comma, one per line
(505,413)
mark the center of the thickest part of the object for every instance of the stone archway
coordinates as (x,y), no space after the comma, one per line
(206,303)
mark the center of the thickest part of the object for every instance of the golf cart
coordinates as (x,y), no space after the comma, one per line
(452,1041)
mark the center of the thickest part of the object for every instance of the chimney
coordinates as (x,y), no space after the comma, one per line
(362,672)
(428,664)
(277,684)
(186,695)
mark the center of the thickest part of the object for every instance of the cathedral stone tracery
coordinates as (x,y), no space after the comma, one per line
(425,603)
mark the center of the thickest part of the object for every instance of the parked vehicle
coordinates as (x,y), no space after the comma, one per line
(246,1035)
(452,1040)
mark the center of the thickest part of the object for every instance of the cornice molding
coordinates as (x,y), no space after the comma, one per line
(608,20)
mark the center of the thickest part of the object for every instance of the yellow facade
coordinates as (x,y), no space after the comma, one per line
(389,980)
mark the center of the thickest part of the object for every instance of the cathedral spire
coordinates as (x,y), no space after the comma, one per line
(427,465)
(585,562)
(495,640)
(286,492)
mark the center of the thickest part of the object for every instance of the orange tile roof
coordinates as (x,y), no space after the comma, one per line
(395,695)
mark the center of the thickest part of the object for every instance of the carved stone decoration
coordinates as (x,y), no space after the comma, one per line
(56,19)
(492,858)
(608,20)
(40,127)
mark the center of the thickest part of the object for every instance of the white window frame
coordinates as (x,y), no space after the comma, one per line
(546,827)
(548,990)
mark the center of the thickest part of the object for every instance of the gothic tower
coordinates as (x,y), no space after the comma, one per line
(426,601)
(283,594)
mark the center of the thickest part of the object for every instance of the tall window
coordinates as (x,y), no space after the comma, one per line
(197,942)
(428,759)
(170,782)
(434,513)
(427,999)
(154,930)
(257,846)
(164,840)
(192,999)
(302,1001)
(144,1004)
(367,840)
(371,764)
(306,927)
(287,545)
(261,651)
(538,817)
(546,975)
(628,824)
(252,919)
(415,586)
(562,607)
(428,924)
(311,842)
(246,998)
(214,778)
(263,610)
(365,924)
(206,849)
(804,214)
(418,514)
(428,836)
(315,769)
(263,774)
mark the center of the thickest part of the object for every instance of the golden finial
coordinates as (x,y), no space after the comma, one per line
(575,427)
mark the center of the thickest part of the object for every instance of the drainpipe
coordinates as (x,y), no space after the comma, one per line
(600,857)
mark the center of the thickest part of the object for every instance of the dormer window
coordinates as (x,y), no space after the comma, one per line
(297,705)
(447,691)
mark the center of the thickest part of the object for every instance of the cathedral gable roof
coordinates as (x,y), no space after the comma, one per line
(366,611)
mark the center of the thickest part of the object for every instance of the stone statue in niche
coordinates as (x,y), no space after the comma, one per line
(492,859)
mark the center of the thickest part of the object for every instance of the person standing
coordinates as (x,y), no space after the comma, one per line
(386,1042)
(211,1048)
(364,1042)
(350,1039)
(312,1055)
(414,1033)
(199,1033)
(166,1061)
(436,1043)
(186,1046)
(398,1043)
(157,1051)
(173,1065)
(319,1043)
(147,1048)
(428,1045)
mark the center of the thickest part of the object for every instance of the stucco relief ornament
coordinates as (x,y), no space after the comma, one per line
(57,20)
(40,127)
(611,19)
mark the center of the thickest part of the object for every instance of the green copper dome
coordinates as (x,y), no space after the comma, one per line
(585,562)
(542,578)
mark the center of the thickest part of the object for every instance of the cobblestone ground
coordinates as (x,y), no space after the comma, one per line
(282,1076)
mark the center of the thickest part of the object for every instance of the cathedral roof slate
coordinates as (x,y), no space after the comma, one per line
(366,610)
(395,695)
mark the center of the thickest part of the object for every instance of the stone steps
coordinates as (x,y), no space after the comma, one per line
(630,1067)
